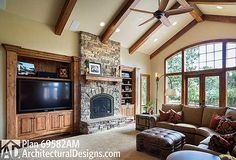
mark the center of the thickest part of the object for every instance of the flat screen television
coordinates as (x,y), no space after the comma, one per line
(37,95)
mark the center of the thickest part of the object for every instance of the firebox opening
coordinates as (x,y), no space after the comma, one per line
(101,105)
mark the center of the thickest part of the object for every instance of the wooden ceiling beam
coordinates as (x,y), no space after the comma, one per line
(196,13)
(64,16)
(218,18)
(148,33)
(174,38)
(213,2)
(118,20)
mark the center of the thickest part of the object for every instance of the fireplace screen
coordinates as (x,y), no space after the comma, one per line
(101,105)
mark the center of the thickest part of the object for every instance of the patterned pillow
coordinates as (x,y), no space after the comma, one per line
(215,120)
(219,144)
(226,126)
(164,116)
(231,138)
(175,117)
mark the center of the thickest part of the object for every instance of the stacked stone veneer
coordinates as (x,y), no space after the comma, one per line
(108,55)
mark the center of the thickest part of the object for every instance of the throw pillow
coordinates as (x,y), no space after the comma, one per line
(219,144)
(231,138)
(164,116)
(175,117)
(215,119)
(226,126)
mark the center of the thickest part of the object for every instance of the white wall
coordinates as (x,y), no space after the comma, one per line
(201,32)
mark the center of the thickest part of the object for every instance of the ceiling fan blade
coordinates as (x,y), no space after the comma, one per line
(163,5)
(183,3)
(141,11)
(147,21)
(165,21)
(178,11)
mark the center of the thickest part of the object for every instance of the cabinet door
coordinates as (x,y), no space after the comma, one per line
(55,121)
(25,125)
(67,119)
(40,123)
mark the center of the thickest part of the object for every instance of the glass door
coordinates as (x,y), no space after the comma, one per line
(212,91)
(203,90)
(144,92)
(193,91)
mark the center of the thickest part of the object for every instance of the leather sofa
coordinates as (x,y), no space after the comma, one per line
(195,124)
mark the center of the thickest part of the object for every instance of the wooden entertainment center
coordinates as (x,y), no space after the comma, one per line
(37,124)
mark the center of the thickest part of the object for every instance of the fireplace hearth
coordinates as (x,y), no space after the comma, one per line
(101,105)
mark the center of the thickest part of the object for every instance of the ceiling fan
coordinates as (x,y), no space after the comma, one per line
(162,15)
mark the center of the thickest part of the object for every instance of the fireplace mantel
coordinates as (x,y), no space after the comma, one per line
(91,77)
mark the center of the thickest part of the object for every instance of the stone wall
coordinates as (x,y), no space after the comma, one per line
(108,55)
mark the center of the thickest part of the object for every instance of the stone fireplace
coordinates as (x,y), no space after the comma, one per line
(100,100)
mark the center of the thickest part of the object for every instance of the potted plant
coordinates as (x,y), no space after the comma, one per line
(149,108)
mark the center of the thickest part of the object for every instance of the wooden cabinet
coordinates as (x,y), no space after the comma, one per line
(127,110)
(25,125)
(38,124)
(61,120)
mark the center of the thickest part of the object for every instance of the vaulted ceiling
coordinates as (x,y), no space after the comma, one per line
(90,13)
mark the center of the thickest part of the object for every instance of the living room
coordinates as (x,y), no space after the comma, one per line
(157,75)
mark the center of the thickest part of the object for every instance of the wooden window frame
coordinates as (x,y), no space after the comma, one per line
(221,71)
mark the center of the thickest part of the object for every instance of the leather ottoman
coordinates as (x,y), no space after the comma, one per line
(160,141)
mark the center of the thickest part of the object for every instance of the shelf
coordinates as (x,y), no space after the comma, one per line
(126,97)
(44,78)
(126,91)
(126,78)
(126,84)
(90,77)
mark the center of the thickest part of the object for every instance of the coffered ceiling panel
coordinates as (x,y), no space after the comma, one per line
(227,10)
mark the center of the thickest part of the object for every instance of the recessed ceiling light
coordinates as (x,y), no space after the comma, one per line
(74,25)
(174,23)
(155,40)
(219,7)
(102,24)
(117,30)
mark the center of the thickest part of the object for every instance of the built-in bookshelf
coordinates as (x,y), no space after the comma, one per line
(128,91)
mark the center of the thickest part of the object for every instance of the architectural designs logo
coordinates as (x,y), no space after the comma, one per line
(9,149)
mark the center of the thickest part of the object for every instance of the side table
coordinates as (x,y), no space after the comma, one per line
(145,121)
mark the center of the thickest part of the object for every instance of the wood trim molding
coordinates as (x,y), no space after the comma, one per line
(118,20)
(64,16)
(174,38)
(38,54)
(148,33)
(215,2)
(218,18)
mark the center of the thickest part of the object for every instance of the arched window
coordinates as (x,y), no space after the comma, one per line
(203,74)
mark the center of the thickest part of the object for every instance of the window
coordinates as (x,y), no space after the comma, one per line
(231,88)
(174,64)
(176,82)
(203,73)
(203,57)
(231,54)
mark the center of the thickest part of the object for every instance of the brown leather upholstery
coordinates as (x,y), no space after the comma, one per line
(175,107)
(184,127)
(205,131)
(164,124)
(160,141)
(209,111)
(192,115)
